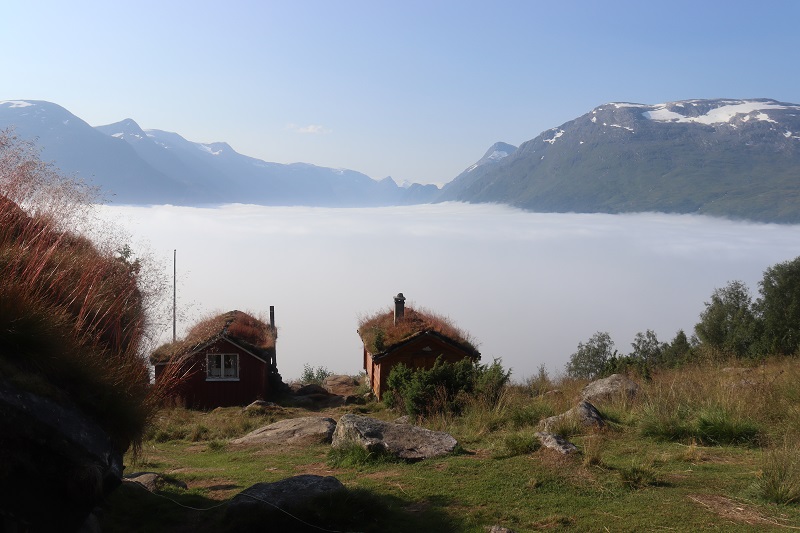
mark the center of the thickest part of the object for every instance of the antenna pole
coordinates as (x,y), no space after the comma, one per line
(174,290)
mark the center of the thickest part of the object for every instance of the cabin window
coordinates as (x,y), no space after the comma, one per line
(222,366)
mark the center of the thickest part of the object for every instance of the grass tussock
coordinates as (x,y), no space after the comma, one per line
(354,456)
(779,480)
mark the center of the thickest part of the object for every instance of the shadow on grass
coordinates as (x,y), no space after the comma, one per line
(132,508)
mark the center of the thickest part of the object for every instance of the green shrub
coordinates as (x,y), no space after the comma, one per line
(314,375)
(445,388)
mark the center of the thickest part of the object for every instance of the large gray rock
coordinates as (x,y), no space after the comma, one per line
(556,442)
(292,431)
(263,500)
(340,385)
(404,441)
(614,386)
(153,481)
(584,414)
(57,463)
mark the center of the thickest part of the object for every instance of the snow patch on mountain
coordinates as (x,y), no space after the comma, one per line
(719,115)
(209,149)
(16,103)
(558,134)
(497,155)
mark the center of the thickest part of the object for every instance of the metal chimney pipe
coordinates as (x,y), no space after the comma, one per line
(272,317)
(399,307)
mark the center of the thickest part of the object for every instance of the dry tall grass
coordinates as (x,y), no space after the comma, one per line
(72,311)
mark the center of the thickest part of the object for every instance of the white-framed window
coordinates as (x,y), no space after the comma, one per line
(222,366)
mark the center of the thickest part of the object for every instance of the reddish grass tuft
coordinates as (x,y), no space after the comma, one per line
(72,312)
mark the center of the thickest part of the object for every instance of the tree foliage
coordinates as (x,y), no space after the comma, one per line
(779,308)
(729,322)
(591,358)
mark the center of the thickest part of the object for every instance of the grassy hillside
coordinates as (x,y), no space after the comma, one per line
(701,448)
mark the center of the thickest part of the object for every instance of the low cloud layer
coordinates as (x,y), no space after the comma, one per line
(528,286)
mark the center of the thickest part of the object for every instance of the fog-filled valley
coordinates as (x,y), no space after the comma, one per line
(528,286)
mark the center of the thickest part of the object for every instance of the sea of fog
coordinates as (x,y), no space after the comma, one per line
(528,286)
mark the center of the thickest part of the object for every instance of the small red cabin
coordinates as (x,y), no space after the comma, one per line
(225,360)
(416,339)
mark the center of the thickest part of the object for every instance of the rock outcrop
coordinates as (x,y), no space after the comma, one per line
(341,385)
(292,431)
(556,442)
(57,463)
(614,386)
(257,504)
(404,441)
(584,414)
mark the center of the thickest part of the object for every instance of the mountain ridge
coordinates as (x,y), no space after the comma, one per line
(154,167)
(724,157)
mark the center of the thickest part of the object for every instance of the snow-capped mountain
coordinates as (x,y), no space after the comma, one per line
(132,165)
(737,158)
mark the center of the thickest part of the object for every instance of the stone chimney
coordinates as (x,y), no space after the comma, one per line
(399,307)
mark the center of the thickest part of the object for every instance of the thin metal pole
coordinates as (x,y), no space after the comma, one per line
(174,290)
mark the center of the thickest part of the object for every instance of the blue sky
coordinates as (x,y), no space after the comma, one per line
(415,89)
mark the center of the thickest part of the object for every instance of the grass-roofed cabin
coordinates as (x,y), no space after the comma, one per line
(415,338)
(224,360)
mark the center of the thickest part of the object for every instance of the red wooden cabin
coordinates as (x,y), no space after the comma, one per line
(225,360)
(416,339)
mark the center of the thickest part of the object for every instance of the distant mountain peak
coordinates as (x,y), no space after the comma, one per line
(126,129)
(495,153)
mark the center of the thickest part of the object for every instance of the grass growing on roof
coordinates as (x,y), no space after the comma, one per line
(379,332)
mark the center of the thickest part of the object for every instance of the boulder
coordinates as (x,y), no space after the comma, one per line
(258,503)
(404,441)
(585,414)
(556,442)
(292,431)
(309,389)
(153,481)
(57,463)
(261,406)
(340,385)
(614,386)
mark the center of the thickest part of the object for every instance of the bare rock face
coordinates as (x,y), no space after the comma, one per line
(57,463)
(256,504)
(614,386)
(340,385)
(556,442)
(404,441)
(585,414)
(292,431)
